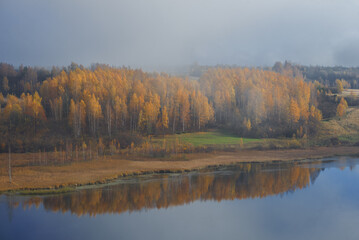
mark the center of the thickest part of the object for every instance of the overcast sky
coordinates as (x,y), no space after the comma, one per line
(169,32)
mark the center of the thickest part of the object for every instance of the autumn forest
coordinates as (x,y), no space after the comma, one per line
(42,109)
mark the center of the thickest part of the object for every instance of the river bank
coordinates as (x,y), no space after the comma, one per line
(31,178)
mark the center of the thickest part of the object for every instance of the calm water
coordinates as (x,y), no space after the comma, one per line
(308,200)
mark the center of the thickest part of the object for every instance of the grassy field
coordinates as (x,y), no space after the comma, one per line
(213,137)
(345,128)
(349,93)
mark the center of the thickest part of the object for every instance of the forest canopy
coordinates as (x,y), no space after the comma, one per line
(103,101)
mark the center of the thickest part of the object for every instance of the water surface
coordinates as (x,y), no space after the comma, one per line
(299,200)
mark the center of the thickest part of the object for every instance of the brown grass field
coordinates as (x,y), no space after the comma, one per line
(344,127)
(349,93)
(112,167)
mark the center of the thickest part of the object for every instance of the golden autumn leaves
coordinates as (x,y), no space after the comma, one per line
(342,107)
(125,100)
(27,106)
(107,101)
(262,102)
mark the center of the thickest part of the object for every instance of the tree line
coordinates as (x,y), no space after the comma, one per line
(113,103)
(327,76)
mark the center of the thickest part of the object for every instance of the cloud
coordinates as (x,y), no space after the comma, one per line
(168,32)
(347,52)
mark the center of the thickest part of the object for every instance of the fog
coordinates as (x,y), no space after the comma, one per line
(145,33)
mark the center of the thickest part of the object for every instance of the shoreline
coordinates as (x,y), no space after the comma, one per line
(60,179)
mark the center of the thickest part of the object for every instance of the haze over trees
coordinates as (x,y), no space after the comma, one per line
(327,76)
(261,103)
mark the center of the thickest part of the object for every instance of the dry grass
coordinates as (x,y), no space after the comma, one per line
(349,93)
(354,93)
(97,171)
(342,126)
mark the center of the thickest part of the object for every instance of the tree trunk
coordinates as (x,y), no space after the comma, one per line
(83,153)
(174,123)
(9,147)
(183,124)
(9,163)
(109,124)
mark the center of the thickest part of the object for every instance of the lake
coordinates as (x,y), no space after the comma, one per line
(311,199)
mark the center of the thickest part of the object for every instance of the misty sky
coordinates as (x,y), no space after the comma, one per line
(167,32)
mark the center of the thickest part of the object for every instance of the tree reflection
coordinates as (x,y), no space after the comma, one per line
(248,180)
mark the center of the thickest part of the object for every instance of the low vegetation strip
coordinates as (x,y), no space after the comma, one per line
(113,167)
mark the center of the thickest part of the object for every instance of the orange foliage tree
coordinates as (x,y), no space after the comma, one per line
(342,107)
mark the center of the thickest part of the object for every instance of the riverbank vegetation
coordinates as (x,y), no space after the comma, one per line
(77,114)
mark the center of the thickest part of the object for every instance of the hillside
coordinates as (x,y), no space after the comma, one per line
(345,128)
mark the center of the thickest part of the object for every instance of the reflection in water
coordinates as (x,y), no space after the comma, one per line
(329,209)
(248,180)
